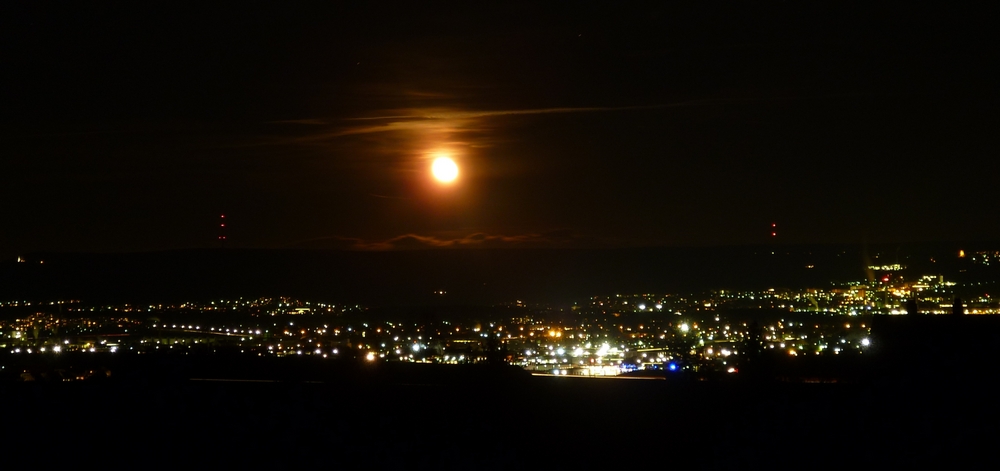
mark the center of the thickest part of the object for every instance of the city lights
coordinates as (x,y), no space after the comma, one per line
(605,336)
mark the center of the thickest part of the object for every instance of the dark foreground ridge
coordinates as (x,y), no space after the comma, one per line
(209,412)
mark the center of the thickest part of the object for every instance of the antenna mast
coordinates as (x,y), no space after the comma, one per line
(222,231)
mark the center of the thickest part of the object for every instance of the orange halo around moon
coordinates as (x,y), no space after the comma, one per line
(444,170)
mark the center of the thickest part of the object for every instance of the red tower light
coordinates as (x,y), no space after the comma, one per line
(222,230)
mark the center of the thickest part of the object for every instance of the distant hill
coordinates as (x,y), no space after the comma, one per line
(467,276)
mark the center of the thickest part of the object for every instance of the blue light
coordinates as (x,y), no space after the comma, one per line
(672,366)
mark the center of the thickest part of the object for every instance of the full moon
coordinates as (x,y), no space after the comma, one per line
(444,169)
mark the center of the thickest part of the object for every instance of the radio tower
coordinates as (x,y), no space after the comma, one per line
(222,231)
(774,237)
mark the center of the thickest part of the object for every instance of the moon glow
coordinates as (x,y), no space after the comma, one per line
(444,169)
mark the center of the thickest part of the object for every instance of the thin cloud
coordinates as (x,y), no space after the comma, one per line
(554,239)
(446,121)
(387,197)
(310,121)
(453,122)
(490,113)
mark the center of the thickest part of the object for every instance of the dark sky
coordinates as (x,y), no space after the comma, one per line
(664,124)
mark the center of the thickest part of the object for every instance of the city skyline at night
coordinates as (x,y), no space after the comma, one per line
(510,235)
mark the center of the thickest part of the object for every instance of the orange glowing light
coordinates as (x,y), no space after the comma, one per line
(444,170)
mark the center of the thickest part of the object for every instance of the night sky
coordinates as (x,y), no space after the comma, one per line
(134,127)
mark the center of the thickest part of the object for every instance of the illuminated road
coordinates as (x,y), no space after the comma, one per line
(655,378)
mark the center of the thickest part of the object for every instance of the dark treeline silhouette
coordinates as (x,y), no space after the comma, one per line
(422,419)
(935,347)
